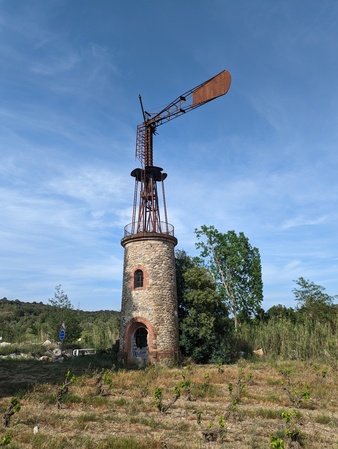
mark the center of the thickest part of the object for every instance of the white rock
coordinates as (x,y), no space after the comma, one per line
(259,352)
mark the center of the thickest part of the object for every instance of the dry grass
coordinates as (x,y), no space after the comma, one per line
(127,417)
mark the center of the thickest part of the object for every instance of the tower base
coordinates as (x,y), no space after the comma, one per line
(149,319)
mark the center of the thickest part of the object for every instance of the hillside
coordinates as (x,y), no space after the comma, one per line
(36,322)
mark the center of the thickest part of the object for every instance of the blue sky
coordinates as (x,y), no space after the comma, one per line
(262,159)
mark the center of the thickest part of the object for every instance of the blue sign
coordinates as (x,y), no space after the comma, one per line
(62,334)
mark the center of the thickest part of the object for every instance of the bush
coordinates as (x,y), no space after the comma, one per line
(289,340)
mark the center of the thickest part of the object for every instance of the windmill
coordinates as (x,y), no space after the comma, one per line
(149,322)
(146,210)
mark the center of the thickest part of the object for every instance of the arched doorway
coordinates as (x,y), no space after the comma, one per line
(141,338)
(138,343)
(140,346)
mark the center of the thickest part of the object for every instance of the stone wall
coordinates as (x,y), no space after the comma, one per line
(155,304)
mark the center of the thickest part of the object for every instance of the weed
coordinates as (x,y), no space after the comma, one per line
(5,440)
(71,398)
(206,380)
(296,396)
(289,416)
(145,390)
(236,391)
(211,435)
(104,382)
(203,390)
(13,407)
(222,430)
(276,442)
(182,426)
(273,397)
(121,402)
(286,373)
(273,382)
(86,418)
(42,440)
(262,412)
(186,384)
(233,413)
(158,397)
(220,368)
(126,443)
(320,371)
(150,422)
(199,416)
(325,419)
(95,401)
(292,431)
(63,390)
(24,389)
(293,434)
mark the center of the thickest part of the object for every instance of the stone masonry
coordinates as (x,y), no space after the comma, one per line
(154,305)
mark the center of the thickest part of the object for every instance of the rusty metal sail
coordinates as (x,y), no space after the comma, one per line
(203,93)
(147,176)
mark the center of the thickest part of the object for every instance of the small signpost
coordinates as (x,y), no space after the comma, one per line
(62,335)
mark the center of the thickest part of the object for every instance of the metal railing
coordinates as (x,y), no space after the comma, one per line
(162,228)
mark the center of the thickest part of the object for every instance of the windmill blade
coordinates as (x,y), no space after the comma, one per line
(211,89)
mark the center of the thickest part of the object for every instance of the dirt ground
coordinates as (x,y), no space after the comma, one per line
(234,407)
(17,375)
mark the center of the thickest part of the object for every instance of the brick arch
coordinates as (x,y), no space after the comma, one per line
(131,327)
(145,277)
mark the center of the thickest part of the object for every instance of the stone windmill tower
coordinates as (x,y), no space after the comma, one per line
(149,322)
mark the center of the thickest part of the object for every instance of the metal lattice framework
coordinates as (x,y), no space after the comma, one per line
(146,210)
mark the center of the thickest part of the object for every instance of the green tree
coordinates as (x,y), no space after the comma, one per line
(236,268)
(281,312)
(183,263)
(62,313)
(313,302)
(203,316)
(60,299)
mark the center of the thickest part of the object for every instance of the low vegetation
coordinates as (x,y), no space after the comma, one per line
(251,404)
(22,322)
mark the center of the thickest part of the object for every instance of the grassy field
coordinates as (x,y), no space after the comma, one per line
(252,404)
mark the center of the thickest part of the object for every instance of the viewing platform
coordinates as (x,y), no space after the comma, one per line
(161,227)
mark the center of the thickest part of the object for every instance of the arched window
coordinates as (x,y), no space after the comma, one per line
(141,339)
(138,279)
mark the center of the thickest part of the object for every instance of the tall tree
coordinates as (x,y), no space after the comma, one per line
(236,268)
(313,302)
(203,317)
(63,313)
(60,299)
(183,264)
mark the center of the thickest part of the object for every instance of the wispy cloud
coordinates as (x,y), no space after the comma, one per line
(55,65)
(261,160)
(273,108)
(94,186)
(303,221)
